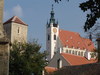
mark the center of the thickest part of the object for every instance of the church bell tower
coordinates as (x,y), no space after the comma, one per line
(52,31)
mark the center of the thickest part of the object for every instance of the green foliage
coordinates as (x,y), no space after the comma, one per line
(26,59)
(94,7)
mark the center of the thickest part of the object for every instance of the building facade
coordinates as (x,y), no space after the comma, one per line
(66,48)
(16,30)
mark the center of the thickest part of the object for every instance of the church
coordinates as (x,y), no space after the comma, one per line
(66,48)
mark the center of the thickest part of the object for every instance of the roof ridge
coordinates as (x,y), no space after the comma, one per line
(19,19)
(73,55)
(65,58)
(68,31)
(15,19)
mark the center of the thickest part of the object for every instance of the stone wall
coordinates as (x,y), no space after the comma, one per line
(4,48)
(4,45)
(1,18)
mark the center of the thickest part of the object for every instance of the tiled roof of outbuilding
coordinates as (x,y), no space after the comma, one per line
(50,69)
(76,60)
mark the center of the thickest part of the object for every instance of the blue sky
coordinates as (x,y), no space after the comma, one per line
(35,13)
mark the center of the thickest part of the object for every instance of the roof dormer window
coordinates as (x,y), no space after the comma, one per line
(71,37)
(66,40)
(66,46)
(73,47)
(78,42)
(77,47)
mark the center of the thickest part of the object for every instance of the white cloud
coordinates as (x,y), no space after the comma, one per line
(17,11)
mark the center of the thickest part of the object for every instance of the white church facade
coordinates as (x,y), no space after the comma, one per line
(67,48)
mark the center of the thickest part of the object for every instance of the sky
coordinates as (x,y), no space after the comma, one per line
(35,13)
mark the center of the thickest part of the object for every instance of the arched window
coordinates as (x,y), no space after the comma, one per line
(81,53)
(75,52)
(66,51)
(54,37)
(48,37)
(72,52)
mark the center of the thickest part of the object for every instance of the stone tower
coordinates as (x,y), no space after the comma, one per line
(16,30)
(52,31)
(4,45)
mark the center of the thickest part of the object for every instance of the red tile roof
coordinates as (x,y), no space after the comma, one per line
(50,69)
(76,60)
(73,39)
(15,19)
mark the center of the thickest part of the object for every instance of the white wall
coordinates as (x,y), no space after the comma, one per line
(51,45)
(72,49)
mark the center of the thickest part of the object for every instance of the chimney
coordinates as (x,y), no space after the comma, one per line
(90,37)
(98,43)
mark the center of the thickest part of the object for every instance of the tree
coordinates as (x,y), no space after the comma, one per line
(26,59)
(94,7)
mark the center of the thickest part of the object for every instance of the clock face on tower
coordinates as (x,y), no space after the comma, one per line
(54,30)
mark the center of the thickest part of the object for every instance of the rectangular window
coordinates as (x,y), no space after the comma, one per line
(54,37)
(18,29)
(59,63)
(48,37)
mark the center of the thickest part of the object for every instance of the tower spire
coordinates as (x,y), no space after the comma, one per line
(52,7)
(52,19)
